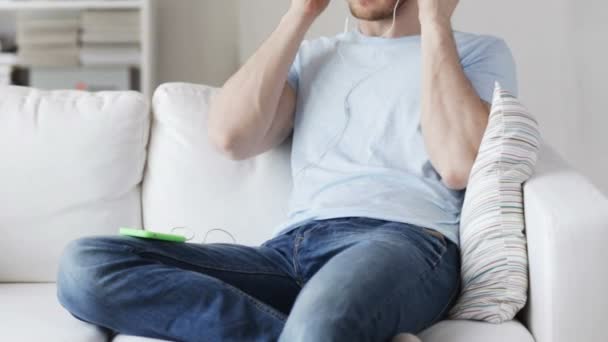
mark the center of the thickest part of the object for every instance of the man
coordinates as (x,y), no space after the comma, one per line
(387,120)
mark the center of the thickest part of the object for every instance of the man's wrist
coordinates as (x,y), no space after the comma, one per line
(435,25)
(435,22)
(299,17)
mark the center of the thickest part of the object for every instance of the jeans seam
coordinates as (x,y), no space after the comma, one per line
(443,249)
(257,303)
(437,235)
(215,268)
(440,257)
(297,270)
(443,311)
(420,277)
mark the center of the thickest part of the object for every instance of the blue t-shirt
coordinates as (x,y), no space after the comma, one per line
(358,148)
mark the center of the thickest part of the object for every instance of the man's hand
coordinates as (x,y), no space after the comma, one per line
(309,8)
(436,10)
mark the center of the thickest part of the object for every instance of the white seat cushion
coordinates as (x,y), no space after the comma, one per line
(470,331)
(189,184)
(31,313)
(71,165)
(446,331)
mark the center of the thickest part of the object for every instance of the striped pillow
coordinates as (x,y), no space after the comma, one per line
(493,244)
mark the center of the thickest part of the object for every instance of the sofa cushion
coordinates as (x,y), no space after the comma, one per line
(189,184)
(30,312)
(446,331)
(469,331)
(72,163)
(493,244)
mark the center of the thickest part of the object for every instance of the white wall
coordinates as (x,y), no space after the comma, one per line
(259,18)
(590,35)
(198,40)
(560,46)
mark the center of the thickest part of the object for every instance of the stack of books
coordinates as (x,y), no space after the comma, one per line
(110,37)
(48,40)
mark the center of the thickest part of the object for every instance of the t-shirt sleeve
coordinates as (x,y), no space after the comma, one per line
(293,77)
(490,64)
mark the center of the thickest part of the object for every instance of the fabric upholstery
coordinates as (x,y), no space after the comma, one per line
(493,244)
(189,184)
(566,228)
(567,234)
(446,331)
(71,166)
(470,331)
(31,313)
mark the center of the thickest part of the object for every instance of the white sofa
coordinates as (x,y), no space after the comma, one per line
(72,164)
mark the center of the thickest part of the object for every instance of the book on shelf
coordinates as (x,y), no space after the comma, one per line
(112,26)
(49,55)
(30,23)
(48,39)
(110,54)
(113,36)
(110,38)
(110,18)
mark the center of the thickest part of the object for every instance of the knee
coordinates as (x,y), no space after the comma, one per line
(320,314)
(313,328)
(84,266)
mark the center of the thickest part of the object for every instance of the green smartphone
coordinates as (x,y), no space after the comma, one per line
(146,234)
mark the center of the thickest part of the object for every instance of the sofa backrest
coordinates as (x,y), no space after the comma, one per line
(189,184)
(71,165)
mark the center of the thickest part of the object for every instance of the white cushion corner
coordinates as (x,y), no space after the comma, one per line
(73,165)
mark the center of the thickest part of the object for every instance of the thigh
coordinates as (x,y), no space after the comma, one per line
(391,280)
(261,272)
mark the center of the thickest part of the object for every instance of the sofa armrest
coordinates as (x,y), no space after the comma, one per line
(567,230)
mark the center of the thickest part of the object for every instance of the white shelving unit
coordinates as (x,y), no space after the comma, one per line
(148,23)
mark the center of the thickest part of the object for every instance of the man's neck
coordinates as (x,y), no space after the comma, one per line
(407,23)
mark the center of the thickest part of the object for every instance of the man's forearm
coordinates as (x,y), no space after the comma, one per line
(454,118)
(245,107)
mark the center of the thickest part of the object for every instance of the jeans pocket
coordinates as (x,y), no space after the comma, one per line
(436,237)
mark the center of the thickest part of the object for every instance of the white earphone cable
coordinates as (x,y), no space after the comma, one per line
(335,141)
(394,19)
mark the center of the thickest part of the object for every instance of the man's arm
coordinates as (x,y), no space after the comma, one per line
(454,118)
(254,110)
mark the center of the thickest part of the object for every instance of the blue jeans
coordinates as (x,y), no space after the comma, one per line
(346,279)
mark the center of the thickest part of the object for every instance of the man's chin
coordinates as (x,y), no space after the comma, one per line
(367,13)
